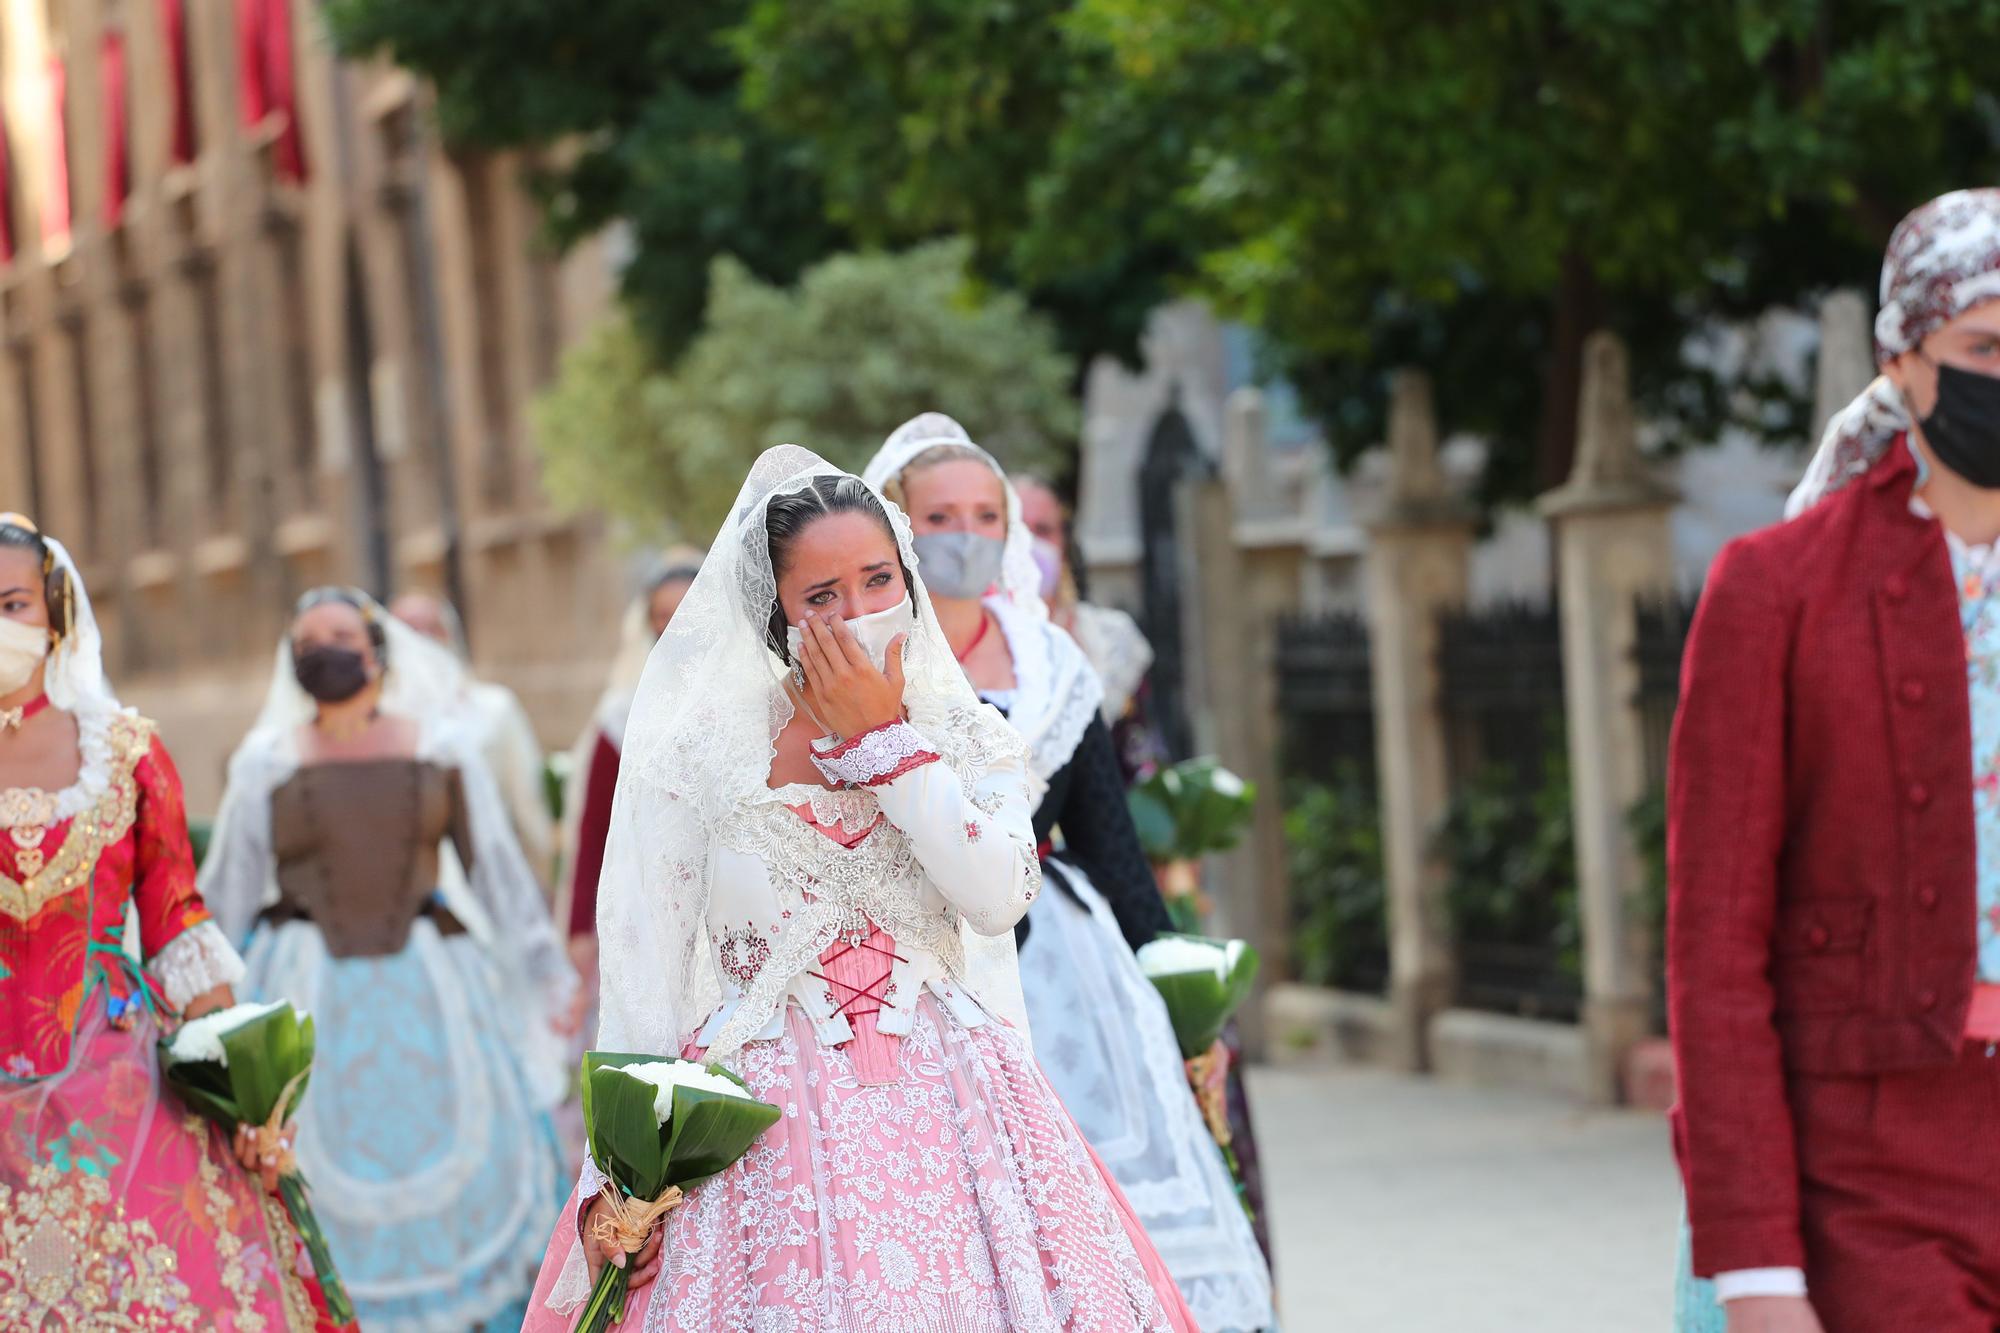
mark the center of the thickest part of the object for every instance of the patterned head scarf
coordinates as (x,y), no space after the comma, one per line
(1942,260)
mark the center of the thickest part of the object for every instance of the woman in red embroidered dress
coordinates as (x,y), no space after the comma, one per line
(118,1207)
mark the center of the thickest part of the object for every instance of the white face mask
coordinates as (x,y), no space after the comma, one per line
(875,631)
(22,648)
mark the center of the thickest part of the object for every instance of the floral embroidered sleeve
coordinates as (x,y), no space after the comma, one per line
(978,849)
(183,948)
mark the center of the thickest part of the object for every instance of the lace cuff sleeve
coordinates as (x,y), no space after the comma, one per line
(572,1286)
(875,757)
(195,962)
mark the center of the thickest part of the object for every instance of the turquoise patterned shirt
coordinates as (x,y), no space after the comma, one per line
(1976,571)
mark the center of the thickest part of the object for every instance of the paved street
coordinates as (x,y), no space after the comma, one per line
(1407,1205)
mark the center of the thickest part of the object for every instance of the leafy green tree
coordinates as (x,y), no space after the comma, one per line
(1471,187)
(638,101)
(1475,186)
(858,345)
(1002,121)
(708,128)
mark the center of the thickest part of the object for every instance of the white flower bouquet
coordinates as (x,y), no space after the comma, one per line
(656,1127)
(249,1065)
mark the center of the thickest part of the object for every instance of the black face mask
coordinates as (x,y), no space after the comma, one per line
(329,674)
(1963,430)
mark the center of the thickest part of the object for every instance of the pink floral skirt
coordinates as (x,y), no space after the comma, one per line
(957,1199)
(121,1209)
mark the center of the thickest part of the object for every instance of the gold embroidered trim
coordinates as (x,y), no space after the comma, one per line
(228,1245)
(300,1315)
(69,1259)
(131,738)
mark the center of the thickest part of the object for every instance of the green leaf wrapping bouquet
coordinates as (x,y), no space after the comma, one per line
(1204,981)
(656,1127)
(1191,809)
(249,1065)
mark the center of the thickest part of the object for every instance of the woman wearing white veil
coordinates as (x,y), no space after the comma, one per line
(364,841)
(593,774)
(118,1207)
(822,899)
(1101,1029)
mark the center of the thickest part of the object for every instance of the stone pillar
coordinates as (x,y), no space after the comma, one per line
(1419,543)
(1613,546)
(1245,578)
(1846,355)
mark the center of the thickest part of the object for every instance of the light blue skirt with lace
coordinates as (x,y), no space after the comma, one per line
(432,1160)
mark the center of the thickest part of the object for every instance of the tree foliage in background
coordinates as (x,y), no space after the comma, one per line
(1510,856)
(1469,187)
(1474,187)
(1338,887)
(1002,121)
(780,133)
(835,362)
(636,103)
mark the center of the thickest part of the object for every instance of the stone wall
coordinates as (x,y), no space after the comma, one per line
(250,378)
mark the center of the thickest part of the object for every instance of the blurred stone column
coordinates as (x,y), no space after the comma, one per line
(1416,566)
(1249,572)
(1846,355)
(1613,547)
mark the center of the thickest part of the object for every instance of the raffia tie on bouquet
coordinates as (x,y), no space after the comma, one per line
(1208,1075)
(631,1221)
(269,1137)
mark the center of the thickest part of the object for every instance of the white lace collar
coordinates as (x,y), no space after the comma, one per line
(1056,691)
(33,805)
(851,809)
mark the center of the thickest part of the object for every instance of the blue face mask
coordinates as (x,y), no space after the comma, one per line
(958,565)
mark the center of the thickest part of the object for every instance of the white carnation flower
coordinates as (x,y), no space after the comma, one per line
(200,1039)
(1172,955)
(666,1075)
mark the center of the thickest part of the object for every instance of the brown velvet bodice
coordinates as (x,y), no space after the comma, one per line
(356,846)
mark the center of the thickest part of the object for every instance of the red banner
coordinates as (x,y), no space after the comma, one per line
(264,47)
(55,206)
(173,23)
(117,137)
(6,194)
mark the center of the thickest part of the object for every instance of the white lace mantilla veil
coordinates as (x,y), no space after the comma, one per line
(698,750)
(505,912)
(73,676)
(1058,693)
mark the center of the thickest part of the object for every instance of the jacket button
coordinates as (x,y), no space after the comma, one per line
(1920,795)
(1818,937)
(1927,896)
(1896,587)
(1927,1000)
(1912,691)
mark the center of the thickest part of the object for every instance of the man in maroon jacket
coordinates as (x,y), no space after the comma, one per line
(1834,844)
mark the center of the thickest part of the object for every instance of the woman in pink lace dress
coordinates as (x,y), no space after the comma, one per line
(819,848)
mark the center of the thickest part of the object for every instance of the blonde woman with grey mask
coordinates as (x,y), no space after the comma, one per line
(1102,1030)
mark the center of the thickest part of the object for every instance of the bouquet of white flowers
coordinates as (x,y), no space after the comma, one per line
(1182,814)
(1203,982)
(248,1066)
(655,1127)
